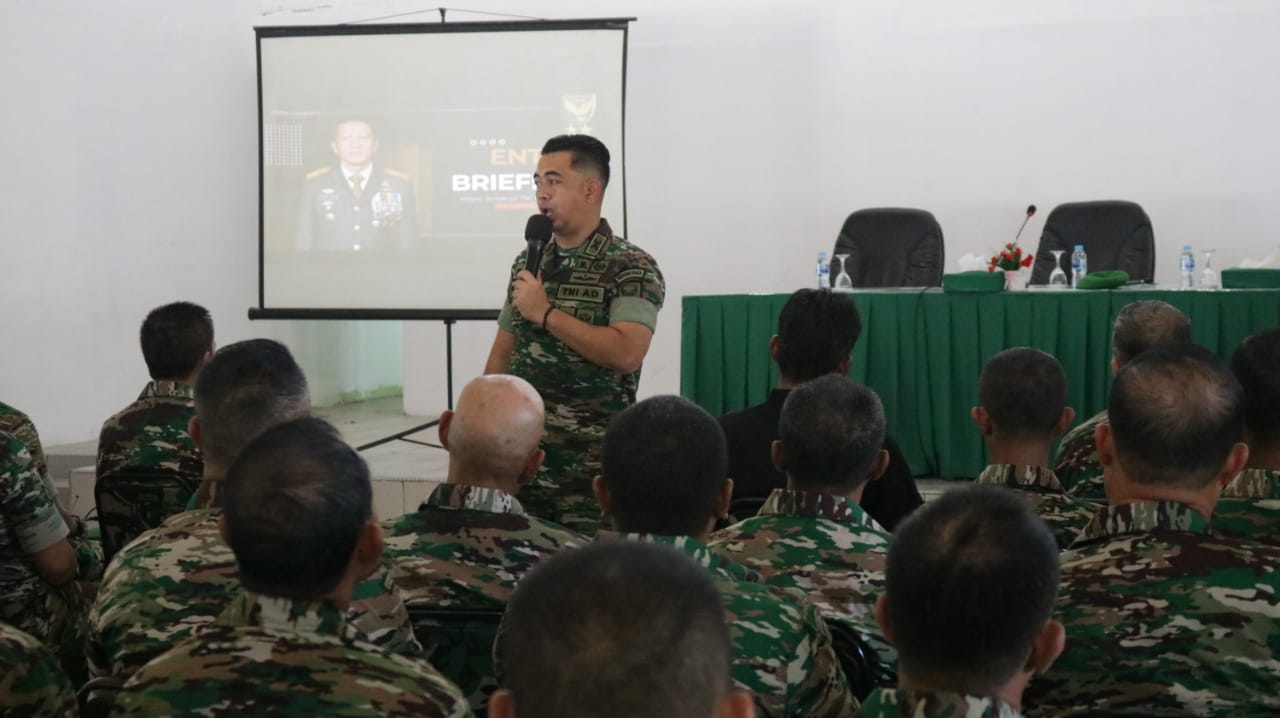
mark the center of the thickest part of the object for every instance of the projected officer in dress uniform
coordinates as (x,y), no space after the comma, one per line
(355,205)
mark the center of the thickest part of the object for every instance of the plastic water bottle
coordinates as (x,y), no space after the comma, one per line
(1079,265)
(824,271)
(1187,268)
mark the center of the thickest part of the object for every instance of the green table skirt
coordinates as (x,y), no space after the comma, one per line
(923,352)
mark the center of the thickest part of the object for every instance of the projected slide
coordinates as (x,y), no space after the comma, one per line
(397,161)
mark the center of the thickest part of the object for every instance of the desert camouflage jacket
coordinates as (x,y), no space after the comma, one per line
(34,684)
(151,433)
(1078,467)
(1065,515)
(891,703)
(1250,507)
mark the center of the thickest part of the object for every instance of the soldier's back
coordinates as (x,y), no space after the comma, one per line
(34,684)
(151,433)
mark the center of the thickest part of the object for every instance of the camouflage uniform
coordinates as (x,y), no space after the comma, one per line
(1164,618)
(151,433)
(605,279)
(30,523)
(782,647)
(827,547)
(275,656)
(31,680)
(1078,467)
(891,703)
(1065,515)
(176,578)
(1250,507)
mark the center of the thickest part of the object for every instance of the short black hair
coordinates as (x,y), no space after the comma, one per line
(664,461)
(617,628)
(970,581)
(174,339)
(1256,364)
(816,331)
(588,153)
(296,501)
(1145,324)
(831,430)
(1024,391)
(1175,412)
(246,388)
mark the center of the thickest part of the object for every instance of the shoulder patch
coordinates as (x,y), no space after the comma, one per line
(319,173)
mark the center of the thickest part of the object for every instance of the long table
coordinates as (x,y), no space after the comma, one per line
(922,352)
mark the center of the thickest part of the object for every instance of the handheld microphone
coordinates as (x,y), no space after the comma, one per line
(536,232)
(1031,211)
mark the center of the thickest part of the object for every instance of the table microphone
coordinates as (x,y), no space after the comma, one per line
(1031,211)
(536,232)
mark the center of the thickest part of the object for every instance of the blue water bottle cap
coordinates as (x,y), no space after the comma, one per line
(1186,248)
(1079,247)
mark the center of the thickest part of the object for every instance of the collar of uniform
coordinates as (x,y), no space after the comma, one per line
(168,389)
(706,556)
(803,504)
(925,704)
(603,233)
(1022,476)
(1254,484)
(473,498)
(1141,517)
(272,613)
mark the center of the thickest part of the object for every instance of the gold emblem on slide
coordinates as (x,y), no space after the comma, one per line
(579,109)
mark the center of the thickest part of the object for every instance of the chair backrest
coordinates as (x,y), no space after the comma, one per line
(132,501)
(1115,234)
(98,696)
(890,247)
(459,643)
(857,659)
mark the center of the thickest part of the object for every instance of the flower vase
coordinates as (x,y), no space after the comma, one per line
(1013,281)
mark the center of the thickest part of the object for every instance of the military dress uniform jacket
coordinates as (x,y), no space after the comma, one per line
(1065,515)
(1163,617)
(331,218)
(782,649)
(275,656)
(825,546)
(151,433)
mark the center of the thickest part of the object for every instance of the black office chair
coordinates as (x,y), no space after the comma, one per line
(858,660)
(890,247)
(459,643)
(98,696)
(132,501)
(1115,234)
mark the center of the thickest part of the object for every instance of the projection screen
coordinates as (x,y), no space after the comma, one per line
(396,161)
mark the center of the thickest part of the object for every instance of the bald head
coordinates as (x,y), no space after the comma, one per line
(493,434)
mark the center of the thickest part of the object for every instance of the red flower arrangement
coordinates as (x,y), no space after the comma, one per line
(1010,258)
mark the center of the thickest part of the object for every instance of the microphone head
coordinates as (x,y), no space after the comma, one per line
(538,228)
(1031,210)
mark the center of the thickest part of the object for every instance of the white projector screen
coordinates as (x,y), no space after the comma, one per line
(445,122)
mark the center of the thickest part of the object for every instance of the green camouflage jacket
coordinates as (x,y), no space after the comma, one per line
(176,578)
(1078,467)
(892,703)
(606,279)
(1065,515)
(267,656)
(1250,507)
(782,647)
(825,546)
(1164,618)
(466,547)
(33,683)
(29,523)
(151,433)
(13,421)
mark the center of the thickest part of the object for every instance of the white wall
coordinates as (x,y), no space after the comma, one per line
(753,129)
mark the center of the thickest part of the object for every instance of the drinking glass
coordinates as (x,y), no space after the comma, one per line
(843,282)
(1057,278)
(1209,275)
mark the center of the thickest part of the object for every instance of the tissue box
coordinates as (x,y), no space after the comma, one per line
(1251,278)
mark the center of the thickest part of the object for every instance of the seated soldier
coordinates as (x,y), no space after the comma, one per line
(816,333)
(34,684)
(38,589)
(663,481)
(471,540)
(1022,407)
(1138,327)
(180,576)
(595,632)
(812,535)
(151,433)
(1250,505)
(969,597)
(1165,617)
(283,645)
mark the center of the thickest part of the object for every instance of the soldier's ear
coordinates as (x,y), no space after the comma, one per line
(982,419)
(879,466)
(1106,446)
(442,430)
(777,456)
(531,466)
(369,548)
(738,704)
(1047,647)
(601,491)
(882,617)
(193,430)
(222,529)
(502,704)
(1064,422)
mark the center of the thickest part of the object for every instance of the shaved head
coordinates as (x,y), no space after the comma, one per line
(494,430)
